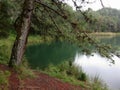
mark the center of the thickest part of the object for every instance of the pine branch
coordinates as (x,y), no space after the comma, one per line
(44,5)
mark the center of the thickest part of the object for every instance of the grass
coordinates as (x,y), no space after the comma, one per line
(4,78)
(67,73)
(104,34)
(24,70)
(33,40)
(5,49)
(97,84)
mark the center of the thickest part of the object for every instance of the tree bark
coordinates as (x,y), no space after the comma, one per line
(22,27)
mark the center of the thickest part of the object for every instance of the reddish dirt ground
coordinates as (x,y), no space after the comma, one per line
(41,82)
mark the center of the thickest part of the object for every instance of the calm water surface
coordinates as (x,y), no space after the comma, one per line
(40,56)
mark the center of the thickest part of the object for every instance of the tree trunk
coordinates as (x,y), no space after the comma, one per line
(22,27)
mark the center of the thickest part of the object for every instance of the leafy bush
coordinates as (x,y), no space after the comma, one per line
(82,77)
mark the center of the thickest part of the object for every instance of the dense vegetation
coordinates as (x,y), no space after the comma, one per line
(107,20)
(103,20)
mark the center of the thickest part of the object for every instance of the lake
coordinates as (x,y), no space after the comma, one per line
(101,67)
(40,56)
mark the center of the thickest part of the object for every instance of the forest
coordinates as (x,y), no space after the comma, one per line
(103,20)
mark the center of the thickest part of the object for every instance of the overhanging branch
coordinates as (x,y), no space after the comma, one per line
(44,5)
(102,3)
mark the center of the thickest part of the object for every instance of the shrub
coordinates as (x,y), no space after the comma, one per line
(82,77)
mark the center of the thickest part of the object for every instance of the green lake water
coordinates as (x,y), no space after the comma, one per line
(41,55)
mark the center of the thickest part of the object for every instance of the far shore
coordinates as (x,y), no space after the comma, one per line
(105,33)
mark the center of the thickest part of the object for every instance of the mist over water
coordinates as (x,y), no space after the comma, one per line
(96,65)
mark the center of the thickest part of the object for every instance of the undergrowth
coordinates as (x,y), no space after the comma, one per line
(5,49)
(24,70)
(4,82)
(97,84)
(67,73)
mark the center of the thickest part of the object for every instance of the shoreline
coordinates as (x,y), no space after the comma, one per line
(105,33)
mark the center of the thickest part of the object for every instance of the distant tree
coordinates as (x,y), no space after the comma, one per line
(9,10)
(110,19)
(4,18)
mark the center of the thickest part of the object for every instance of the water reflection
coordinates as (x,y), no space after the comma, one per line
(114,41)
(40,56)
(97,65)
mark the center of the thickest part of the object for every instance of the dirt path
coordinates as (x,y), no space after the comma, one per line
(41,82)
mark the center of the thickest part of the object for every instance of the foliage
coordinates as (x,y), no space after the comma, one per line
(24,70)
(67,72)
(4,19)
(4,78)
(97,84)
(9,11)
(5,49)
(107,20)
